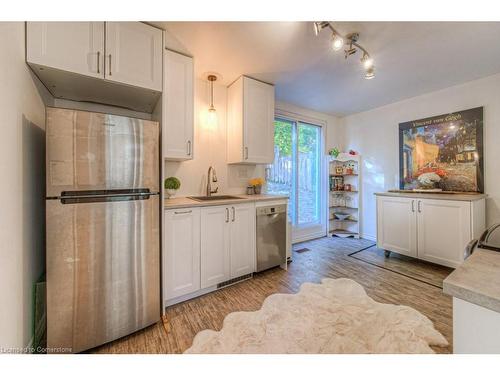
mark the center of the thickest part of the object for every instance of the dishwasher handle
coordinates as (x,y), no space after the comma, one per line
(271,210)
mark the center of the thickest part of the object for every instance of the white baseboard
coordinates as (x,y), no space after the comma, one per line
(308,237)
(369,237)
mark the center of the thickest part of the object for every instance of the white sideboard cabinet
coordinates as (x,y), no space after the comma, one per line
(432,227)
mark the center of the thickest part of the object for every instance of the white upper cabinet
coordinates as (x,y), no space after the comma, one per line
(71,46)
(250,128)
(177,106)
(117,63)
(242,239)
(134,54)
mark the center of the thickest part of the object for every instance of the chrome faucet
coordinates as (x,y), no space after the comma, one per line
(214,179)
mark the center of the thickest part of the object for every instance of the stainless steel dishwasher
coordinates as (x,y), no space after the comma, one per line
(271,236)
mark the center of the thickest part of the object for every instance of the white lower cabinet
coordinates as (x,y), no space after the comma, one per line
(206,246)
(227,243)
(215,250)
(436,230)
(396,225)
(181,255)
(242,240)
(444,228)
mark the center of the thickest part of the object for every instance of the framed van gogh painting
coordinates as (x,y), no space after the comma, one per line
(442,152)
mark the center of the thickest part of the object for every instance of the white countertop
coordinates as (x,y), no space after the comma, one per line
(444,196)
(477,280)
(184,202)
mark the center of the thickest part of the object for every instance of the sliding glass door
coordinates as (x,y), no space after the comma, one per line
(296,171)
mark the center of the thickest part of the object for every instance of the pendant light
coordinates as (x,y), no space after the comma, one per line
(212,113)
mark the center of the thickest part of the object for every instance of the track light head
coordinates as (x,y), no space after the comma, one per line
(367,61)
(318,26)
(370,73)
(337,42)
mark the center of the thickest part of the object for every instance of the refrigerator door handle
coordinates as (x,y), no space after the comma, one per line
(97,198)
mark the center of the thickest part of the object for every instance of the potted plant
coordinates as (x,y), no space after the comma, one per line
(172,184)
(257,184)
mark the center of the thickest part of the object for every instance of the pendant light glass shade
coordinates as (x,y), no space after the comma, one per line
(211,119)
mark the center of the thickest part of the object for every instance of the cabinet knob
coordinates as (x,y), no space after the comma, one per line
(98,62)
(246,153)
(189,147)
(234,213)
(418,206)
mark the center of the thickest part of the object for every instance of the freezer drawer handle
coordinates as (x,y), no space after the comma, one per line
(95,196)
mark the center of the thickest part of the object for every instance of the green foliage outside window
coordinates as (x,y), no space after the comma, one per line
(307,137)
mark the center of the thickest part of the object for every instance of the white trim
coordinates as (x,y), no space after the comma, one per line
(297,118)
(174,301)
(369,237)
(294,116)
(200,292)
(309,237)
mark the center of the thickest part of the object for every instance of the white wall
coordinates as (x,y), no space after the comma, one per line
(374,134)
(22,188)
(209,149)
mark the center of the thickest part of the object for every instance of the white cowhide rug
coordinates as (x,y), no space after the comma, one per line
(335,316)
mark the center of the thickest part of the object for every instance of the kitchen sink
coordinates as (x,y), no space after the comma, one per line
(204,198)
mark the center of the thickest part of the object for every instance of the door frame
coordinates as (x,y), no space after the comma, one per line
(302,233)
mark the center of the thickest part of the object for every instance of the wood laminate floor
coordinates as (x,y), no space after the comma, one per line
(328,257)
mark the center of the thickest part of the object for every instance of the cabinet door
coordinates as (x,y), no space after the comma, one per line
(258,121)
(242,239)
(134,54)
(214,245)
(181,256)
(444,229)
(397,225)
(76,47)
(178,101)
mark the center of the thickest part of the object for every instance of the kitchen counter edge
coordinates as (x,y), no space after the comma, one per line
(442,196)
(477,280)
(185,202)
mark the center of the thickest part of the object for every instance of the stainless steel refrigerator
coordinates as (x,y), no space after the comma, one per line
(103,237)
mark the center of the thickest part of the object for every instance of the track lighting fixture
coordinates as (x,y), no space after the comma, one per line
(351,40)
(318,26)
(337,42)
(370,73)
(367,61)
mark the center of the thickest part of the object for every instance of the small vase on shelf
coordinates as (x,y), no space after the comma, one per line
(257,184)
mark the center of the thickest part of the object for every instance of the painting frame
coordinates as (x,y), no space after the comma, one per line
(443,120)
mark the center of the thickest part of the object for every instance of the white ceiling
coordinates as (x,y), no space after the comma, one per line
(411,58)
